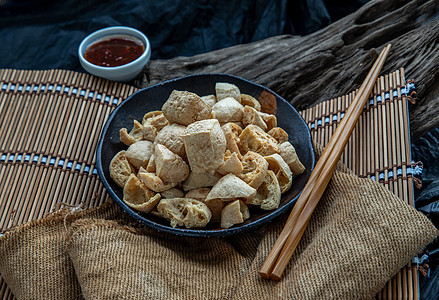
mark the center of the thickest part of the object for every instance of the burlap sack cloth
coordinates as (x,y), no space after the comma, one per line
(359,237)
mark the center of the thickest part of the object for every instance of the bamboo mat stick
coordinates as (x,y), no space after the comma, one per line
(41,189)
(86,188)
(9,124)
(369,143)
(60,187)
(88,182)
(30,186)
(20,124)
(399,285)
(33,190)
(353,143)
(318,121)
(24,174)
(43,116)
(59,180)
(61,129)
(339,109)
(343,105)
(5,105)
(67,194)
(13,188)
(324,127)
(381,153)
(67,128)
(95,132)
(361,141)
(331,119)
(37,114)
(415,282)
(394,143)
(90,103)
(2,288)
(315,180)
(19,189)
(404,283)
(56,124)
(316,118)
(49,206)
(42,124)
(45,197)
(89,126)
(396,284)
(77,130)
(410,281)
(30,113)
(30,141)
(406,277)
(408,183)
(5,192)
(6,172)
(398,145)
(376,148)
(43,139)
(345,153)
(76,184)
(389,134)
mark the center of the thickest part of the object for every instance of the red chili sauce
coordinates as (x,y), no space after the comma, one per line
(114,51)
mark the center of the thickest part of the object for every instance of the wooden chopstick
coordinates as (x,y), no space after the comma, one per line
(288,239)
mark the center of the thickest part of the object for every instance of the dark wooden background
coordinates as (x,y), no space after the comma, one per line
(335,60)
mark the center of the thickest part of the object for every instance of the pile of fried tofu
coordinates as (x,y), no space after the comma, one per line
(205,159)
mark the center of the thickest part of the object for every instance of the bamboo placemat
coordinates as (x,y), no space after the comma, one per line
(50,123)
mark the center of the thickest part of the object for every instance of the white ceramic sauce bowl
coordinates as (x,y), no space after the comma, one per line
(121,73)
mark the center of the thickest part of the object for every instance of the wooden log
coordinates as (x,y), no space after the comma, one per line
(307,70)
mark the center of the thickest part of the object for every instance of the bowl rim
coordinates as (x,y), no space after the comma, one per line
(114,30)
(185,231)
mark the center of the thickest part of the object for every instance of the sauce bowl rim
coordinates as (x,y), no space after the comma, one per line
(109,31)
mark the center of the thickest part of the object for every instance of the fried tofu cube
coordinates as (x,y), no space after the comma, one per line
(250,101)
(254,170)
(279,135)
(251,116)
(153,182)
(171,136)
(228,110)
(138,196)
(232,132)
(139,153)
(209,99)
(120,168)
(205,145)
(281,170)
(253,138)
(184,108)
(155,119)
(289,155)
(231,164)
(224,90)
(187,212)
(215,205)
(198,180)
(169,166)
(231,187)
(269,193)
(235,212)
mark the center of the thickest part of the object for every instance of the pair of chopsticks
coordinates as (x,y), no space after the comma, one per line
(289,238)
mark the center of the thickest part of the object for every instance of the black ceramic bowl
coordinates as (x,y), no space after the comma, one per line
(153,97)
